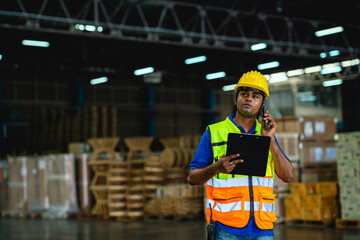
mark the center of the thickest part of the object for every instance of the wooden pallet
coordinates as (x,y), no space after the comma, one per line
(86,216)
(6,214)
(347,223)
(308,223)
(34,215)
(175,217)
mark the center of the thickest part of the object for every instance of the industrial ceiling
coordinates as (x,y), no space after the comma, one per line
(133,34)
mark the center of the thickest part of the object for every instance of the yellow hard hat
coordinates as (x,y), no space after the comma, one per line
(254,79)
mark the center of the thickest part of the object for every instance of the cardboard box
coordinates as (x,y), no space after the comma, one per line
(319,201)
(346,172)
(291,124)
(318,128)
(349,186)
(293,200)
(317,152)
(294,213)
(289,143)
(318,214)
(298,189)
(328,188)
(78,147)
(17,185)
(318,175)
(37,184)
(305,188)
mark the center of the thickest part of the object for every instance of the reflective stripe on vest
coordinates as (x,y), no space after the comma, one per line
(228,207)
(228,196)
(240,182)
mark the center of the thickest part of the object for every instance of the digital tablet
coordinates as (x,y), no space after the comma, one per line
(254,149)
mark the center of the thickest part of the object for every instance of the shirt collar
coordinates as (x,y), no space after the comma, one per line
(251,131)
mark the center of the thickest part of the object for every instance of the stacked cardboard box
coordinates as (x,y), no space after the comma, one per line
(348,169)
(312,202)
(318,149)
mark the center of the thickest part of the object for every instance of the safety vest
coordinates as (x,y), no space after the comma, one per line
(232,199)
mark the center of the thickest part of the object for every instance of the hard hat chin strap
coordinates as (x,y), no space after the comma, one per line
(247,117)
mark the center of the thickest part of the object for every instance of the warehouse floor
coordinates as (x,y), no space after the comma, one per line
(15,229)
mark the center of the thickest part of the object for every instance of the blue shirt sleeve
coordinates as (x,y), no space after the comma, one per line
(203,156)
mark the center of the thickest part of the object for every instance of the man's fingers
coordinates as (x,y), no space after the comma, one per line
(237,161)
(233,156)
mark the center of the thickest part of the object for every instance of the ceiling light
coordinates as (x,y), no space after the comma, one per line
(35,43)
(323,55)
(329,31)
(295,72)
(0,57)
(349,63)
(330,83)
(313,69)
(216,75)
(258,46)
(331,70)
(334,53)
(307,93)
(268,65)
(143,71)
(98,80)
(278,77)
(80,27)
(311,98)
(195,60)
(331,65)
(90,28)
(229,87)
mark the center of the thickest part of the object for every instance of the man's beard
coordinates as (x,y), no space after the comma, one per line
(246,116)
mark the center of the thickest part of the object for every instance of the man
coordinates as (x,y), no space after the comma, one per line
(241,206)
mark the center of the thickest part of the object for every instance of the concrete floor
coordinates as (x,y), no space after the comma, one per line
(96,229)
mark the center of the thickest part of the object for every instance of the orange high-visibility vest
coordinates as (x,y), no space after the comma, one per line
(232,199)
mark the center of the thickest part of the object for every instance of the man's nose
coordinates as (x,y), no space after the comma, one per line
(248,97)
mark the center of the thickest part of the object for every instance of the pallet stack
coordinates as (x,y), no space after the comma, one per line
(176,201)
(316,145)
(41,186)
(83,179)
(318,149)
(154,172)
(61,186)
(176,157)
(37,184)
(139,152)
(17,187)
(117,181)
(104,153)
(312,203)
(348,169)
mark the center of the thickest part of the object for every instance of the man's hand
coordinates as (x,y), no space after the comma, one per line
(272,126)
(226,163)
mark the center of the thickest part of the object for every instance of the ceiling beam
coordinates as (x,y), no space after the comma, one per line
(180,23)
